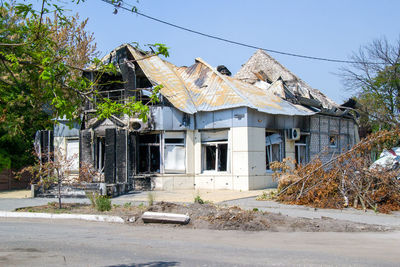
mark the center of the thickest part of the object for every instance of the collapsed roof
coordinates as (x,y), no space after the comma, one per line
(262,84)
(201,87)
(265,72)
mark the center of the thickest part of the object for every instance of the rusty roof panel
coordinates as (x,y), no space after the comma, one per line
(201,87)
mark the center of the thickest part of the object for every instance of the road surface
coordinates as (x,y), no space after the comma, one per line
(37,242)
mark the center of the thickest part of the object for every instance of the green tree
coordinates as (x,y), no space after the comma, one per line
(40,59)
(375,79)
(41,65)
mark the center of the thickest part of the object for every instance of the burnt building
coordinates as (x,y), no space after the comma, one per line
(209,130)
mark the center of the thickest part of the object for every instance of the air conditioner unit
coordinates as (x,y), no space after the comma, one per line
(293,134)
(137,125)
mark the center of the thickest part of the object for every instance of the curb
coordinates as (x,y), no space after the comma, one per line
(85,217)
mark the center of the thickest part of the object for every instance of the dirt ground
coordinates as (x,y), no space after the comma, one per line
(210,216)
(15,194)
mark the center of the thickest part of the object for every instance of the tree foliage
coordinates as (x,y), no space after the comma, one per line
(375,79)
(43,54)
(40,62)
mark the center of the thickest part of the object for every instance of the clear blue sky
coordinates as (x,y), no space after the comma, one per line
(330,29)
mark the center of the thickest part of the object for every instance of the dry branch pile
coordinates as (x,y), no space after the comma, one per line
(346,179)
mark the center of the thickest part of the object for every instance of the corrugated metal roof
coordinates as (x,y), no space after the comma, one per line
(201,87)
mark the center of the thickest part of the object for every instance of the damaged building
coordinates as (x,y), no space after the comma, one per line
(209,130)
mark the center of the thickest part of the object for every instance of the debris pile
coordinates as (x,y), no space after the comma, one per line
(349,179)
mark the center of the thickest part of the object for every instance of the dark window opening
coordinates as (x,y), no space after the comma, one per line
(149,138)
(333,140)
(174,140)
(154,158)
(149,153)
(112,87)
(211,152)
(222,156)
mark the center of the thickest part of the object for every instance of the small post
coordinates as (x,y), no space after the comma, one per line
(33,193)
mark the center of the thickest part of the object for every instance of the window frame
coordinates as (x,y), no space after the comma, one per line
(180,144)
(76,155)
(148,159)
(217,151)
(269,149)
(302,142)
(335,137)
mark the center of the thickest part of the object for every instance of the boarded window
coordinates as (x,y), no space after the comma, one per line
(73,154)
(174,153)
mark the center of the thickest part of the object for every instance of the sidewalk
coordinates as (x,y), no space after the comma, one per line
(9,201)
(188,196)
(245,200)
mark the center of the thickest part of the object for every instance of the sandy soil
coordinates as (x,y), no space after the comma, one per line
(15,194)
(210,216)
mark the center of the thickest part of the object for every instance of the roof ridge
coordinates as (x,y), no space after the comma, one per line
(198,59)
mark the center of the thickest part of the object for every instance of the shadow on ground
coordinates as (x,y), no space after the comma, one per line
(149,264)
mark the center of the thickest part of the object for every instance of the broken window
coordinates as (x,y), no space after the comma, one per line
(301,151)
(174,152)
(333,140)
(215,151)
(273,148)
(72,155)
(149,153)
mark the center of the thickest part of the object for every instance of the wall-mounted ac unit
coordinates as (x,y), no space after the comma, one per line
(137,125)
(293,134)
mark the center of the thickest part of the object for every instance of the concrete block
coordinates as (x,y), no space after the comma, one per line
(240,183)
(239,139)
(257,163)
(204,182)
(240,163)
(256,139)
(223,182)
(183,182)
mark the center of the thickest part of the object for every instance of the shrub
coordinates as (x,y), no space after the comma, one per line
(103,203)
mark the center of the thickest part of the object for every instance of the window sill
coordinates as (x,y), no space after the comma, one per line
(214,173)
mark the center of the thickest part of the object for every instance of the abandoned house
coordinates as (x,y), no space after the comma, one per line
(209,130)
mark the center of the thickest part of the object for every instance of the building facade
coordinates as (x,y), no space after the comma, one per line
(209,130)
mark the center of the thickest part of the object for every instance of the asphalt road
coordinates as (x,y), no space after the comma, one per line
(76,243)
